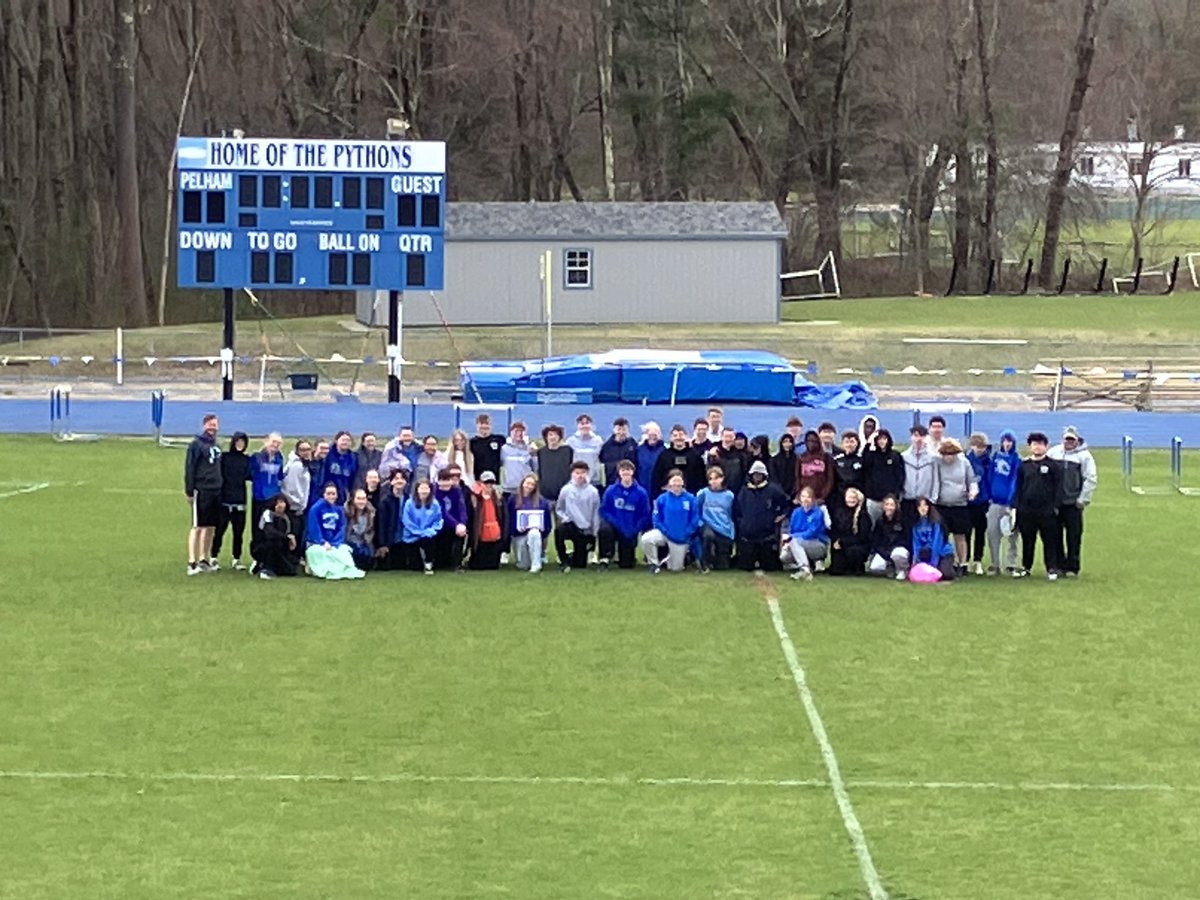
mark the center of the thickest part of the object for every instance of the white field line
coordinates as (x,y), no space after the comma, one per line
(27,489)
(134,490)
(866,864)
(884,784)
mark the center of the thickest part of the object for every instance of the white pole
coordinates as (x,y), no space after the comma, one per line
(120,356)
(548,287)
(262,378)
(400,341)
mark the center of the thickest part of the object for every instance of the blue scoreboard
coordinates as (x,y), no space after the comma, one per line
(311,215)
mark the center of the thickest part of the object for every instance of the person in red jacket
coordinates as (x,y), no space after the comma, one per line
(814,468)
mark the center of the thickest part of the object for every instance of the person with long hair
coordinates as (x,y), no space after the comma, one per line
(929,543)
(489,523)
(341,465)
(782,467)
(889,541)
(369,455)
(458,453)
(529,524)
(274,548)
(360,529)
(327,553)
(804,541)
(850,534)
(422,518)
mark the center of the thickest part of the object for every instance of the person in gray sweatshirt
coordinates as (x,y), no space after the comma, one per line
(918,473)
(586,445)
(955,484)
(1075,493)
(578,513)
(518,458)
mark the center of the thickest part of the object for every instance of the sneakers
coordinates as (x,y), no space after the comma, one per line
(1071,574)
(802,575)
(237,566)
(977,568)
(1052,576)
(428,568)
(504,559)
(213,565)
(194,569)
(993,571)
(265,575)
(654,568)
(1020,573)
(565,569)
(819,565)
(604,565)
(902,576)
(254,568)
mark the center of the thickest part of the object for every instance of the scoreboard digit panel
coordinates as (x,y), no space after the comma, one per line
(293,214)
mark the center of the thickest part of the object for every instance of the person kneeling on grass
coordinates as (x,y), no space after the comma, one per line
(805,539)
(529,515)
(889,541)
(489,523)
(716,521)
(676,521)
(360,529)
(624,514)
(389,523)
(578,511)
(422,518)
(850,534)
(274,546)
(929,543)
(327,554)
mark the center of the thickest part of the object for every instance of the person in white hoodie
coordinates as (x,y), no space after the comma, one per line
(868,425)
(295,485)
(1077,486)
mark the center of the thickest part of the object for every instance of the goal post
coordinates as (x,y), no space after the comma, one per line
(820,283)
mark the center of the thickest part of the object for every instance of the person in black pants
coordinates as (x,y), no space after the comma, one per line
(1038,484)
(759,509)
(850,535)
(235,472)
(274,548)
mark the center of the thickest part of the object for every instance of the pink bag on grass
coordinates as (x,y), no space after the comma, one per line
(924,573)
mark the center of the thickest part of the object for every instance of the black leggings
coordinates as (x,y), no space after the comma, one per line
(581,544)
(230,515)
(613,543)
(978,536)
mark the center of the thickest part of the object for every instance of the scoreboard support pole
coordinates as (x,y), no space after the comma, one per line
(227,349)
(393,351)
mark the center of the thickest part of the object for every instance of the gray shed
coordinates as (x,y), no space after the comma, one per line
(612,263)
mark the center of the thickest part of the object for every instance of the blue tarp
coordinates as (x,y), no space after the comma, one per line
(660,376)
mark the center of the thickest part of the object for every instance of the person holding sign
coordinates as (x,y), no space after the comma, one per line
(529,513)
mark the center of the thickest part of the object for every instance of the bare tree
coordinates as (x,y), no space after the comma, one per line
(131,277)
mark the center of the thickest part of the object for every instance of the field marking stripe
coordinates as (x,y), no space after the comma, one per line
(853,827)
(885,784)
(27,489)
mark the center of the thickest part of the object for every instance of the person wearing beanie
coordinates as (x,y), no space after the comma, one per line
(979,456)
(1078,486)
(758,511)
(954,486)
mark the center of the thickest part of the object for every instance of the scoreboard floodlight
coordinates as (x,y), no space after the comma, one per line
(311,215)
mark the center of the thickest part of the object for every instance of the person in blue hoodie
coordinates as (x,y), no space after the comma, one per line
(648,452)
(326,553)
(529,517)
(676,521)
(1001,489)
(266,480)
(341,465)
(980,457)
(716,521)
(804,541)
(929,543)
(624,514)
(422,519)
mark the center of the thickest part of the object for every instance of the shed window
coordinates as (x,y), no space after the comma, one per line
(577,268)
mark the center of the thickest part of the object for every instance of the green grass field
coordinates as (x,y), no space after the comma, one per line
(589,735)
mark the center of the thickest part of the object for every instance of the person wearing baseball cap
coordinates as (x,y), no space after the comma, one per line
(489,525)
(1075,493)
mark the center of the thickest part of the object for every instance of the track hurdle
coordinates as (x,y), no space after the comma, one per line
(1177,469)
(60,416)
(158,400)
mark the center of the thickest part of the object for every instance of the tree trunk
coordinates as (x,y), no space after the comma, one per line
(602,42)
(922,201)
(1085,54)
(987,226)
(131,283)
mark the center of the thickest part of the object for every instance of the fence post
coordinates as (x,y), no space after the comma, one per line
(953,278)
(1028,275)
(119,358)
(991,276)
(1174,277)
(1137,275)
(1062,285)
(1103,271)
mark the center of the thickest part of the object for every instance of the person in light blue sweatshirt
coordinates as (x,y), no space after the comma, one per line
(676,522)
(624,514)
(716,518)
(422,520)
(804,542)
(1002,488)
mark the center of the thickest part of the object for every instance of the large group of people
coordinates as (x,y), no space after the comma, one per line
(711,498)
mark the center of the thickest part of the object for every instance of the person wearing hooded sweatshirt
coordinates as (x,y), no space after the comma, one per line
(619,446)
(682,456)
(586,445)
(979,456)
(929,543)
(758,511)
(782,466)
(889,541)
(327,553)
(235,472)
(850,535)
(814,468)
(398,453)
(341,465)
(648,452)
(954,486)
(1002,487)
(530,516)
(732,462)
(1078,486)
(202,487)
(804,542)
(578,512)
(274,550)
(868,427)
(316,467)
(266,480)
(884,473)
(676,522)
(295,487)
(518,458)
(716,522)
(451,540)
(422,519)
(489,523)
(624,514)
(360,529)
(369,457)
(1039,485)
(918,472)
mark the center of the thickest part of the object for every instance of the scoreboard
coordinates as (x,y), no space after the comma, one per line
(311,215)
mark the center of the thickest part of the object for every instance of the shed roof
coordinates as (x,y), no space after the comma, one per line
(612,221)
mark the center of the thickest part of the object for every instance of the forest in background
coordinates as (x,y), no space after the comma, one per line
(819,106)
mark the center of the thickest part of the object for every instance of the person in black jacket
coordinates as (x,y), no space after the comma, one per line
(759,509)
(390,550)
(680,455)
(619,446)
(733,462)
(782,466)
(1039,480)
(884,473)
(235,472)
(890,541)
(274,548)
(848,469)
(849,534)
(202,487)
